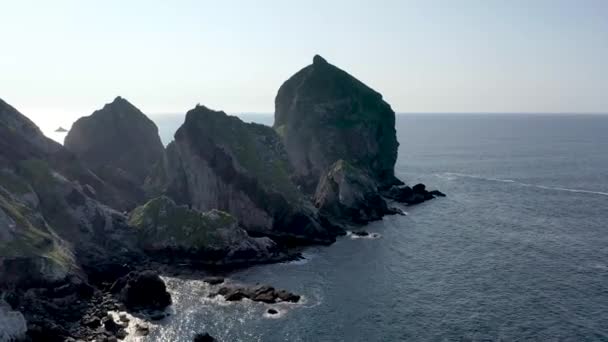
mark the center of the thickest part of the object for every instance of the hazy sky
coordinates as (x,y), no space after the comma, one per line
(62,59)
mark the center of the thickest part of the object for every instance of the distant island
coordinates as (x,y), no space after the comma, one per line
(87,227)
(61,130)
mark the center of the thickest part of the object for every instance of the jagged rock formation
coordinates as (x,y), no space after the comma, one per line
(212,237)
(324,114)
(348,194)
(51,227)
(44,215)
(120,144)
(219,162)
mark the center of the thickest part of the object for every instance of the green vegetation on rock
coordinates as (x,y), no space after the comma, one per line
(162,223)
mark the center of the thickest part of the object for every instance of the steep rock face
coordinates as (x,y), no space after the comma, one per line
(119,143)
(347,194)
(210,237)
(219,162)
(324,114)
(48,214)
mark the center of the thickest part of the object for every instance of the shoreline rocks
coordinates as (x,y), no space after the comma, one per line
(258,293)
(349,195)
(411,195)
(142,290)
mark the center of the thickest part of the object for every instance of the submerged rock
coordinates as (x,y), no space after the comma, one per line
(348,194)
(210,237)
(323,114)
(414,195)
(219,162)
(258,293)
(213,280)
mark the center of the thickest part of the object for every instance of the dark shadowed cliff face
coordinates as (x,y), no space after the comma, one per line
(48,213)
(219,162)
(324,114)
(347,194)
(118,142)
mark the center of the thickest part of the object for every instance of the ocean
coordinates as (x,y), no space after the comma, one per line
(517,251)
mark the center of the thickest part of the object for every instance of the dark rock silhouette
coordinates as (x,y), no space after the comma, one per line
(143,290)
(120,144)
(323,114)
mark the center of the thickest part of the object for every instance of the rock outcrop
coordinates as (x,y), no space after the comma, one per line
(411,195)
(258,293)
(213,237)
(219,162)
(323,114)
(142,290)
(46,217)
(52,227)
(120,144)
(349,195)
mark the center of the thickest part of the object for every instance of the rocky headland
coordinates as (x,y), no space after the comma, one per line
(86,227)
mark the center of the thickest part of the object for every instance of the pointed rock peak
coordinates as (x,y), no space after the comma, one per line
(318,60)
(120,101)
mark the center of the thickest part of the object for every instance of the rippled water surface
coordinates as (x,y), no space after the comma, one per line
(517,251)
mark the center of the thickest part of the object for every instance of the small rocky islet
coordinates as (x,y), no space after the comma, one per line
(85,226)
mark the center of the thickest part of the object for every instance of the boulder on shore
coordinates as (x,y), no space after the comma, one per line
(142,290)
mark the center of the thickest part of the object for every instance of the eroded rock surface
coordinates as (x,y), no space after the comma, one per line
(323,114)
(219,162)
(208,237)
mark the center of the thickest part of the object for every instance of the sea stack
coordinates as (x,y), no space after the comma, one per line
(323,114)
(219,162)
(118,138)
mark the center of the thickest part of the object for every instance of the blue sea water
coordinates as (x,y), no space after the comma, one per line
(518,251)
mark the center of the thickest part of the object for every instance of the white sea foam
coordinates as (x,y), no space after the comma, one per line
(454,175)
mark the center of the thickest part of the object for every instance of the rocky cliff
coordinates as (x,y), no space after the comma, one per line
(347,194)
(120,144)
(48,214)
(323,114)
(219,162)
